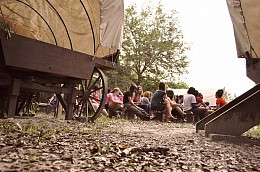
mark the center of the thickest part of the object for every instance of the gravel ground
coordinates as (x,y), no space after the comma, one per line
(42,143)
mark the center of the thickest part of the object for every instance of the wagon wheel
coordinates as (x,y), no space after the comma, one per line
(28,104)
(96,84)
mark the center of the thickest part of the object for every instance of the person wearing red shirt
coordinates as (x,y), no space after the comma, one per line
(220,101)
(199,98)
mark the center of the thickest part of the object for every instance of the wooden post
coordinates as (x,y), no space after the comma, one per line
(13,91)
(71,99)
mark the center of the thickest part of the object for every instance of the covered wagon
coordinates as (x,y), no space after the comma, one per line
(56,46)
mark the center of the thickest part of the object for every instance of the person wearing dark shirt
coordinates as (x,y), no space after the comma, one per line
(160,102)
(132,107)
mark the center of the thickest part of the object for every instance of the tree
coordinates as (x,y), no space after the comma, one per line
(178,85)
(119,78)
(153,49)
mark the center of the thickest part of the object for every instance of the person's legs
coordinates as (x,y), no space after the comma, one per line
(76,109)
(180,110)
(112,113)
(112,109)
(162,108)
(166,109)
(113,105)
(179,115)
(141,114)
(103,112)
(95,106)
(201,112)
(145,107)
(168,112)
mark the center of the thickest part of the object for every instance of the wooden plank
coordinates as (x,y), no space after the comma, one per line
(52,89)
(29,54)
(38,87)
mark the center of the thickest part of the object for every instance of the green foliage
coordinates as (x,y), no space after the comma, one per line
(34,108)
(253,132)
(118,78)
(6,27)
(153,48)
(178,85)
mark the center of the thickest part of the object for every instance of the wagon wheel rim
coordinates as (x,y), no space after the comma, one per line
(97,78)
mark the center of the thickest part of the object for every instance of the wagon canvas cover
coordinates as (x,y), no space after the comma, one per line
(92,27)
(245,15)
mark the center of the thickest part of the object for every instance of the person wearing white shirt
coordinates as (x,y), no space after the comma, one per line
(190,104)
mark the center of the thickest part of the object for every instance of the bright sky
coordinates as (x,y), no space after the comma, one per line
(207,27)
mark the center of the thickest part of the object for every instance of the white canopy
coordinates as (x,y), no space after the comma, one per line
(208,94)
(94,27)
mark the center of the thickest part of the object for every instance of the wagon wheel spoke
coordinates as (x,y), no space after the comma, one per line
(93,82)
(97,84)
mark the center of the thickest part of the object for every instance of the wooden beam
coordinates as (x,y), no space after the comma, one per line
(35,86)
(24,53)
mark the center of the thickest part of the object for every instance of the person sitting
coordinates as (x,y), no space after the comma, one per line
(145,101)
(146,97)
(108,95)
(161,103)
(77,106)
(137,98)
(131,107)
(199,98)
(190,104)
(176,109)
(138,95)
(95,101)
(53,101)
(179,99)
(219,100)
(114,102)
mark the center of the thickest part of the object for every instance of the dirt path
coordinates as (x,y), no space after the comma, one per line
(46,144)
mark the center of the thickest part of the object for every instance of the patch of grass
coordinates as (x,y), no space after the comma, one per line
(40,131)
(33,156)
(103,120)
(9,127)
(253,132)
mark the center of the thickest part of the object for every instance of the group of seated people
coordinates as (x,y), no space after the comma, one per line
(193,102)
(163,100)
(133,100)
(142,105)
(145,105)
